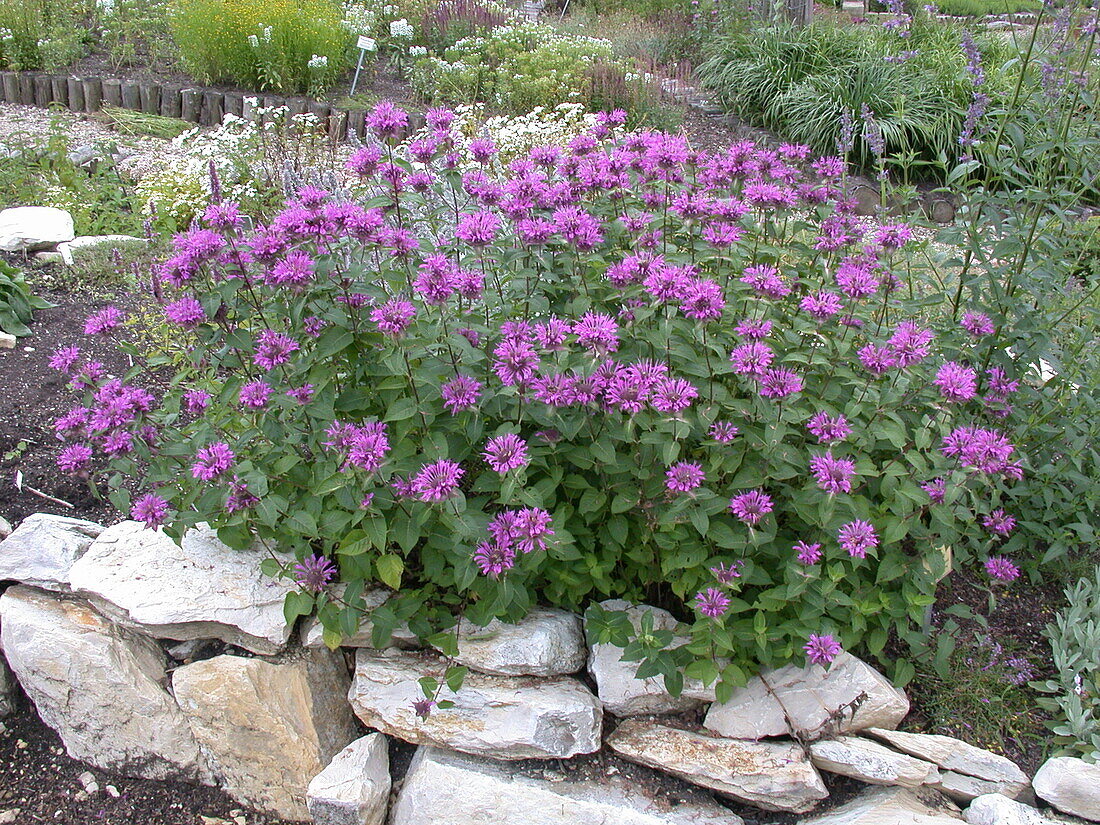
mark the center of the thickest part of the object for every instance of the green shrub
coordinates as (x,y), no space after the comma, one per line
(274,45)
(44,34)
(17,304)
(134,32)
(982,8)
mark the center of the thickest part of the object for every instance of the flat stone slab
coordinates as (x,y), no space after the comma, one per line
(268,728)
(770,775)
(41,551)
(29,228)
(955,755)
(815,700)
(1071,785)
(355,787)
(446,788)
(200,589)
(998,809)
(891,806)
(546,642)
(99,686)
(504,717)
(871,762)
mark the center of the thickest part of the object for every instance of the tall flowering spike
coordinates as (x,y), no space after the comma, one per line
(857,537)
(505,453)
(750,507)
(822,649)
(314,573)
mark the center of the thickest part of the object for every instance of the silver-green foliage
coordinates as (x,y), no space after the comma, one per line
(1074,700)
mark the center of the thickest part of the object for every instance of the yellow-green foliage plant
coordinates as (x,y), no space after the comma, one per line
(277,45)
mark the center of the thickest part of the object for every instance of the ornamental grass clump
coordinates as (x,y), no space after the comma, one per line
(619,369)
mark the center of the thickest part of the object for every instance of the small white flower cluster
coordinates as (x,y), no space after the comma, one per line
(360,18)
(417,51)
(401,28)
(317,61)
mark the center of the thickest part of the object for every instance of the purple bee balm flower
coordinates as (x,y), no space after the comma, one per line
(103,321)
(393,317)
(821,650)
(673,395)
(65,359)
(597,332)
(437,481)
(909,343)
(752,330)
(273,349)
(751,506)
(314,573)
(828,430)
(985,450)
(493,559)
(150,509)
(724,432)
(118,443)
(779,383)
(957,382)
(978,324)
(767,281)
(712,603)
(240,497)
(936,489)
(857,537)
(833,475)
(481,149)
(367,446)
(877,360)
(684,476)
(423,708)
(1002,569)
(999,522)
(187,312)
(808,553)
(255,395)
(506,453)
(212,460)
(893,236)
(728,573)
(822,305)
(702,300)
(460,393)
(531,528)
(856,279)
(516,362)
(386,120)
(196,400)
(751,359)
(74,458)
(477,228)
(303,394)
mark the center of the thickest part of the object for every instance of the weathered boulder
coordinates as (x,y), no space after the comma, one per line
(199,589)
(28,228)
(815,700)
(871,762)
(1071,785)
(620,690)
(505,717)
(998,809)
(78,248)
(355,787)
(446,788)
(267,728)
(99,686)
(771,775)
(43,548)
(892,806)
(547,642)
(959,760)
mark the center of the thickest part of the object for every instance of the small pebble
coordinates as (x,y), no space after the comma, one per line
(112,791)
(87,779)
(20,744)
(10,815)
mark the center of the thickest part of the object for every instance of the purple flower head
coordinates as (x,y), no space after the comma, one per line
(223,217)
(151,510)
(673,395)
(833,475)
(103,321)
(597,332)
(999,522)
(750,507)
(393,317)
(779,383)
(423,708)
(987,451)
(477,228)
(493,559)
(957,383)
(828,430)
(552,335)
(978,324)
(437,481)
(767,281)
(821,305)
(303,394)
(505,453)
(437,279)
(752,330)
(728,573)
(702,300)
(857,537)
(72,423)
(909,343)
(724,432)
(367,445)
(439,118)
(255,395)
(712,602)
(74,458)
(877,360)
(460,393)
(821,650)
(196,400)
(273,349)
(516,362)
(856,278)
(752,359)
(239,497)
(295,270)
(808,553)
(683,477)
(936,489)
(65,359)
(482,149)
(386,120)
(212,460)
(893,236)
(314,573)
(1002,569)
(531,529)
(187,312)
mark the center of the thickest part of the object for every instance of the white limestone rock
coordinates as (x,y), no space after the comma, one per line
(620,690)
(546,642)
(267,728)
(770,775)
(446,788)
(76,249)
(43,548)
(810,697)
(871,762)
(892,806)
(29,228)
(8,341)
(998,809)
(355,787)
(963,788)
(200,589)
(955,755)
(1071,785)
(504,717)
(99,686)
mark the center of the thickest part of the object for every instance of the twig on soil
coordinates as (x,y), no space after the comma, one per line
(20,486)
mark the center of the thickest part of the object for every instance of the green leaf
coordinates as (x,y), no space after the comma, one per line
(302,522)
(390,567)
(455,676)
(297,604)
